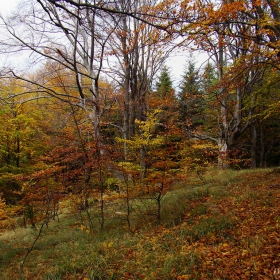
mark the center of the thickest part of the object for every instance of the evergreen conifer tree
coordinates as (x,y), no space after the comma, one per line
(164,83)
(190,96)
(209,79)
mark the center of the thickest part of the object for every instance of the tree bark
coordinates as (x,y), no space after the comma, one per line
(253,149)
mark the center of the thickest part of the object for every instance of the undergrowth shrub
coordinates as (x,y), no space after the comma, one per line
(175,249)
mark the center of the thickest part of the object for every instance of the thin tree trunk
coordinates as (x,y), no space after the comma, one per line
(253,146)
(262,147)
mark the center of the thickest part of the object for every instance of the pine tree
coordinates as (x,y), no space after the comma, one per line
(190,96)
(164,83)
(211,112)
(209,79)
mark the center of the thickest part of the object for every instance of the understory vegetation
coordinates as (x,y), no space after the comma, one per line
(225,226)
(113,166)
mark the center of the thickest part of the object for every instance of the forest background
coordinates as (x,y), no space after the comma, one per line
(92,114)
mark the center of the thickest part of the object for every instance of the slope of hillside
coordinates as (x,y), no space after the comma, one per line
(226,227)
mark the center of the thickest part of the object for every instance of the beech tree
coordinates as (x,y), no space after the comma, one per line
(19,124)
(72,40)
(83,45)
(80,49)
(239,49)
(140,48)
(75,44)
(72,44)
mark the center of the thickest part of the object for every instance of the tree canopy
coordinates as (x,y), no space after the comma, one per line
(95,111)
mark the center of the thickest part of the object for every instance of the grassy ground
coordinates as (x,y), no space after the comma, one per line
(224,227)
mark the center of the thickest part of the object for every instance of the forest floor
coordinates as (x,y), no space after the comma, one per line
(226,226)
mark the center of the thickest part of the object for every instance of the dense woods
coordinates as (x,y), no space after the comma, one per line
(93,114)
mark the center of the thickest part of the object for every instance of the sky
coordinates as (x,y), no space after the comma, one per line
(7,6)
(175,63)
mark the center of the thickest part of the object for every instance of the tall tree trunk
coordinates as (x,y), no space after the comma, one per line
(17,152)
(253,149)
(262,146)
(223,156)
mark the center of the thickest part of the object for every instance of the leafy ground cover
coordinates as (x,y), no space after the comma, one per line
(226,226)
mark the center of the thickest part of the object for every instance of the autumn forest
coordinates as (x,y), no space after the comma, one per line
(97,139)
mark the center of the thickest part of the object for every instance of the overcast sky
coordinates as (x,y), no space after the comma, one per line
(7,6)
(176,62)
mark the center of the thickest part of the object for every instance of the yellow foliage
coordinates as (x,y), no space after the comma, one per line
(6,222)
(130,166)
(146,137)
(3,213)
